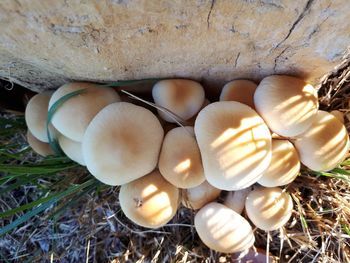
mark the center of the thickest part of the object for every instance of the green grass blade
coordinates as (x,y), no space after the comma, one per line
(53,141)
(43,206)
(123,83)
(31,169)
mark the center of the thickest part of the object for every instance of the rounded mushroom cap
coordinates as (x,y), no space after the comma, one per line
(180,160)
(339,115)
(41,148)
(324,145)
(181,96)
(269,208)
(241,90)
(122,143)
(197,197)
(72,149)
(74,115)
(284,166)
(36,115)
(222,229)
(235,144)
(235,200)
(287,104)
(149,201)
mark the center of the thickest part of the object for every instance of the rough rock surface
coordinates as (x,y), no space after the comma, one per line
(45,43)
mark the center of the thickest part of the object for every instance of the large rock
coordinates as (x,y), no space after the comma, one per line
(46,43)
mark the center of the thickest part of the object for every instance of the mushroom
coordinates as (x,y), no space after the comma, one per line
(36,116)
(180,160)
(235,144)
(287,104)
(72,149)
(41,148)
(236,199)
(222,229)
(180,96)
(338,114)
(241,90)
(149,201)
(122,143)
(269,208)
(324,145)
(197,197)
(74,115)
(284,166)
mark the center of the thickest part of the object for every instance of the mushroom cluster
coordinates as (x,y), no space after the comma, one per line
(244,147)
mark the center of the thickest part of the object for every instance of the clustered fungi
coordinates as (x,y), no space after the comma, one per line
(250,143)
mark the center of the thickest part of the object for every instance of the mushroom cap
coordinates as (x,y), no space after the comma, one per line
(235,200)
(36,115)
(74,115)
(72,149)
(196,197)
(122,143)
(149,201)
(287,104)
(284,166)
(222,229)
(235,144)
(269,208)
(241,90)
(41,148)
(180,160)
(339,115)
(324,145)
(181,96)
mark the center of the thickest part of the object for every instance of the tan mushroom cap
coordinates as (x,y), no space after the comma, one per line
(72,149)
(287,104)
(235,200)
(180,160)
(222,229)
(122,143)
(181,96)
(241,90)
(36,115)
(235,144)
(324,145)
(269,208)
(339,115)
(41,148)
(149,201)
(196,197)
(74,115)
(284,166)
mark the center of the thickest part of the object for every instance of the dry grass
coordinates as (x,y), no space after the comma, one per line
(95,229)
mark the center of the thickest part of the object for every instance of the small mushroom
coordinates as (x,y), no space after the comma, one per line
(72,149)
(241,90)
(197,197)
(325,144)
(287,104)
(41,148)
(235,144)
(269,208)
(236,199)
(74,115)
(181,96)
(339,115)
(36,116)
(180,160)
(122,143)
(284,166)
(149,201)
(222,229)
